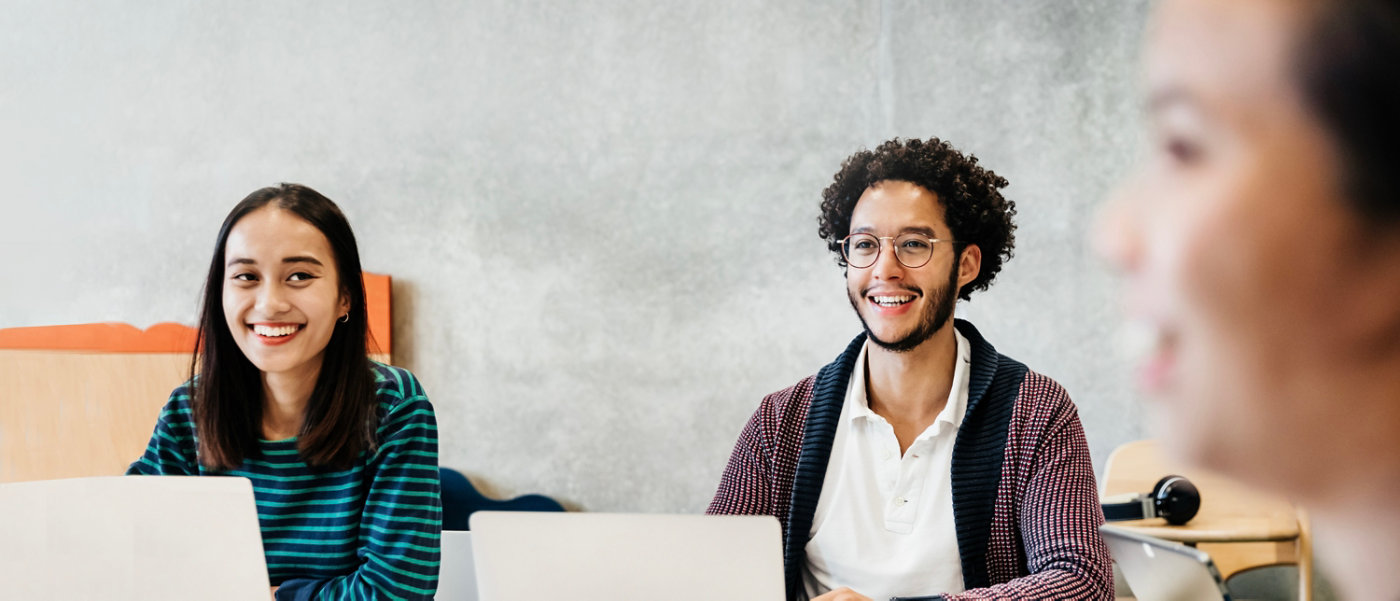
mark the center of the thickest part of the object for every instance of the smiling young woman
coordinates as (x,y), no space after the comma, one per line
(341,450)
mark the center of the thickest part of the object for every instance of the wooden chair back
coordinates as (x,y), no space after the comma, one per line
(1239,527)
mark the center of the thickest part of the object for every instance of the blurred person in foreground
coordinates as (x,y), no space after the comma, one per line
(1261,245)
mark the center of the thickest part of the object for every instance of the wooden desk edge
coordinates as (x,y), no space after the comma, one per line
(1187,534)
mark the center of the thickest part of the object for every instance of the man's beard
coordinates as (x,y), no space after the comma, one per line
(936,314)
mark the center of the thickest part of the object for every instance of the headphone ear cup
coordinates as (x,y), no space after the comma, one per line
(1176,499)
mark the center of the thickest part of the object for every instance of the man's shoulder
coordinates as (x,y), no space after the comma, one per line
(1038,385)
(1024,396)
(1042,396)
(1005,381)
(1026,384)
(790,401)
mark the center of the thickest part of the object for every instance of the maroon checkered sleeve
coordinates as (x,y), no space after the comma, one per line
(758,479)
(1049,496)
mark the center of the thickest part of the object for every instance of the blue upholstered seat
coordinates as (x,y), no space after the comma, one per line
(460,500)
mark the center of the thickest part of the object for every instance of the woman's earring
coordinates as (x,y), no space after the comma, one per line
(345,318)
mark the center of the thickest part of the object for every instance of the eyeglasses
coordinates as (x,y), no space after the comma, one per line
(912,250)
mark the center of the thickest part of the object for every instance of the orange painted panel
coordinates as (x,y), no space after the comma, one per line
(103,337)
(177,338)
(377,302)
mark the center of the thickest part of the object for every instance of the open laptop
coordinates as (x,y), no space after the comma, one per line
(1161,570)
(457,577)
(130,538)
(525,556)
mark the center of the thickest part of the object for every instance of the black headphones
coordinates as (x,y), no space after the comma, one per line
(1174,498)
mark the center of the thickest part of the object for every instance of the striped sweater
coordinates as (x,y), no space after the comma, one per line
(1025,503)
(368,532)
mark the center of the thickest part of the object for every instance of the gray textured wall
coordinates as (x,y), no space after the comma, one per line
(599,217)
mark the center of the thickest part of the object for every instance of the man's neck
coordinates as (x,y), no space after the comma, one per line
(913,386)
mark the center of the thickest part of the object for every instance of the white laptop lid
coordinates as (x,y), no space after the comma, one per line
(524,556)
(457,576)
(131,538)
(1160,570)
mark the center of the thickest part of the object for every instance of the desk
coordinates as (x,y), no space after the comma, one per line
(1239,527)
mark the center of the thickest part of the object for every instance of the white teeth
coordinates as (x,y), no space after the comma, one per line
(272,332)
(891,301)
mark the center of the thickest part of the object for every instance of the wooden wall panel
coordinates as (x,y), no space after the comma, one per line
(72,414)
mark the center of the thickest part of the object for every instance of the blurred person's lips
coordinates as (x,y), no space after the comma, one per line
(1150,345)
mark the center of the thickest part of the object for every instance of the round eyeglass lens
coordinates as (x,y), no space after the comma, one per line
(861,250)
(913,250)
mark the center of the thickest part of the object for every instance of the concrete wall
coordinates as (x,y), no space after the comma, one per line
(600,217)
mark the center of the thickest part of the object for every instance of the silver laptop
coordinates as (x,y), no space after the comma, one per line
(1160,570)
(527,556)
(131,538)
(457,577)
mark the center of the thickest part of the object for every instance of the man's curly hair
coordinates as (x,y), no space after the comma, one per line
(970,195)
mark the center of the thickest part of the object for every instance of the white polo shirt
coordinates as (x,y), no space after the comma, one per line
(884,523)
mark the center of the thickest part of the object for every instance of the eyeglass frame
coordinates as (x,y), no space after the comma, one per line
(879,242)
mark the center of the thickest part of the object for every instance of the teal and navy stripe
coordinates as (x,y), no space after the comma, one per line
(368,532)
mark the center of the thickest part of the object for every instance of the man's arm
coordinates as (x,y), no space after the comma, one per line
(1059,520)
(745,487)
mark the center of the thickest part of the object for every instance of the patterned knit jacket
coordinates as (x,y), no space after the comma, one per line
(1025,503)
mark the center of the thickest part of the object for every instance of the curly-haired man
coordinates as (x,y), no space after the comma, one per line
(921,463)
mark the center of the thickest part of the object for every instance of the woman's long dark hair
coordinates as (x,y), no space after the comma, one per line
(1348,61)
(227,397)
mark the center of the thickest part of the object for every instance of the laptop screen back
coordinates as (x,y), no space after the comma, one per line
(131,537)
(457,577)
(1160,570)
(598,556)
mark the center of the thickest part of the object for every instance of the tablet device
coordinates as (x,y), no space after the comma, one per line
(1161,570)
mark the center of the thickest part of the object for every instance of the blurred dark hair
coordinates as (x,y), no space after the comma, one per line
(1348,61)
(971,197)
(227,399)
